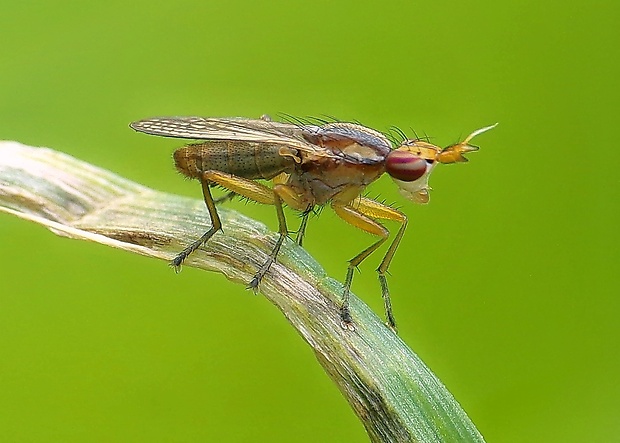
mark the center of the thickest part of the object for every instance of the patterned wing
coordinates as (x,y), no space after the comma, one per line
(253,130)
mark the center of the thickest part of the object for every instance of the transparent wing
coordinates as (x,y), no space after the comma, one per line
(201,128)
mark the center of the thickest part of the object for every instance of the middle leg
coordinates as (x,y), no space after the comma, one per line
(283,231)
(253,191)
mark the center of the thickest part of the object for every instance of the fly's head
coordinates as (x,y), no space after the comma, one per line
(411,163)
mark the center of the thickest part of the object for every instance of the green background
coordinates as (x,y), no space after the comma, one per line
(506,284)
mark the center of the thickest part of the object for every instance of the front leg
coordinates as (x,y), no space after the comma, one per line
(356,218)
(378,210)
(364,213)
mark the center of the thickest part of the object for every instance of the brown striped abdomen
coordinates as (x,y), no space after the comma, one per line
(245,159)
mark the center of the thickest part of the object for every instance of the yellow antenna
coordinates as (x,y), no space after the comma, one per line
(454,153)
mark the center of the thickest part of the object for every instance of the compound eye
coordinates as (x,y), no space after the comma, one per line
(405,166)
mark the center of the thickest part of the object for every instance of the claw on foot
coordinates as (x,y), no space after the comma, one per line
(347,326)
(177,262)
(253,285)
(346,321)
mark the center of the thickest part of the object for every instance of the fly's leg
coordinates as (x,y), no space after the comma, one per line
(224,198)
(236,185)
(378,210)
(355,217)
(216,225)
(295,201)
(274,253)
(262,194)
(364,215)
(302,227)
(280,193)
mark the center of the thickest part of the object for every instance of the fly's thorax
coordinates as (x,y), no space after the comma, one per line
(349,140)
(317,190)
(251,160)
(353,158)
(321,179)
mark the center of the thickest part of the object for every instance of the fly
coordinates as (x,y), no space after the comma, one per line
(309,166)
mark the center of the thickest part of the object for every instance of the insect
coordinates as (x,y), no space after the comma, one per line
(310,165)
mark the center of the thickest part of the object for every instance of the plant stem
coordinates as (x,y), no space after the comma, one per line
(397,398)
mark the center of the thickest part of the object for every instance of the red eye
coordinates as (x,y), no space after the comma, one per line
(405,166)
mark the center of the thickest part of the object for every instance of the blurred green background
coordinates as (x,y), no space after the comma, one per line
(506,284)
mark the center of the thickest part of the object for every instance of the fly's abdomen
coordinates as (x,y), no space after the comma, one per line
(241,158)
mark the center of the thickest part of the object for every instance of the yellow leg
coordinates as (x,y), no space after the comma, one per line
(357,219)
(242,186)
(291,198)
(381,211)
(363,213)
(297,202)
